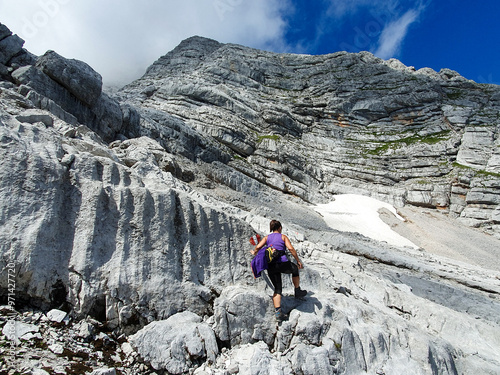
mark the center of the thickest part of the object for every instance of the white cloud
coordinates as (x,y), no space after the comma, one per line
(120,39)
(393,35)
(379,26)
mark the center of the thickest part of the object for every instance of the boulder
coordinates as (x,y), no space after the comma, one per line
(76,76)
(104,371)
(15,331)
(70,89)
(4,31)
(32,116)
(257,359)
(244,316)
(10,46)
(56,315)
(176,343)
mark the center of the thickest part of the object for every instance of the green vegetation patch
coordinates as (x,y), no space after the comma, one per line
(274,137)
(238,157)
(411,140)
(455,95)
(476,172)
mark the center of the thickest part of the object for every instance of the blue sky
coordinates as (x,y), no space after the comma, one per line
(121,38)
(459,35)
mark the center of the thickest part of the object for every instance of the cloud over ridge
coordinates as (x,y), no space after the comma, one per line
(393,34)
(120,39)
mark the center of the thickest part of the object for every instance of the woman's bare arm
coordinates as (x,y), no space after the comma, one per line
(259,246)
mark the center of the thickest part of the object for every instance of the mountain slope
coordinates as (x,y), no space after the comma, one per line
(315,126)
(135,209)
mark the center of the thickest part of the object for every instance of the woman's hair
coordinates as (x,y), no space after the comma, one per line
(274,225)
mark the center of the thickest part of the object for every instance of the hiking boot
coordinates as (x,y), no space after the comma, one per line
(300,293)
(280,316)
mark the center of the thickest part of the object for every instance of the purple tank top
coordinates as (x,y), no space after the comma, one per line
(275,240)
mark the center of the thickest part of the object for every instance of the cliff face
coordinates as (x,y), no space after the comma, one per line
(137,206)
(314,126)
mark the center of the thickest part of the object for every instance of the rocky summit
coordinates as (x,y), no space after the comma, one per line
(126,215)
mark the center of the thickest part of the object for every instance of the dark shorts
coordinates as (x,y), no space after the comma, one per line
(275,270)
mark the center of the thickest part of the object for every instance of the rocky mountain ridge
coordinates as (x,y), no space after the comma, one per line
(315,126)
(133,210)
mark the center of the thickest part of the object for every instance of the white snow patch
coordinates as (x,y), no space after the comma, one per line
(359,214)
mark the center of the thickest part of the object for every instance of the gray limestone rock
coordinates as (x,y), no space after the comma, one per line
(56,315)
(70,89)
(15,331)
(107,371)
(76,76)
(12,54)
(9,47)
(4,31)
(174,344)
(371,123)
(244,316)
(32,116)
(256,359)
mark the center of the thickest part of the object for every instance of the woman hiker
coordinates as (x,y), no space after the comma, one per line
(280,264)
